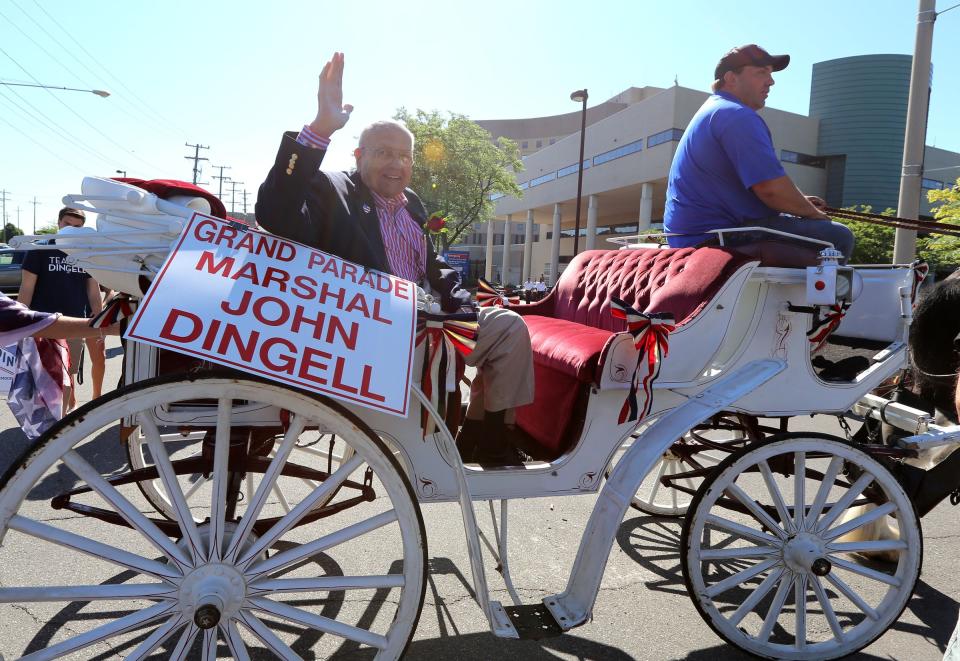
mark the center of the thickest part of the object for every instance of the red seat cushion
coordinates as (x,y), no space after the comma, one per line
(566,346)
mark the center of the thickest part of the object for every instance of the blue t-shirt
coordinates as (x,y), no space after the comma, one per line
(725,150)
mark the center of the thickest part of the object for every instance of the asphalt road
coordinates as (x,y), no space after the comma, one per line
(642,612)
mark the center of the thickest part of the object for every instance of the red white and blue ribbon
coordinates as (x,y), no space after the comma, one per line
(822,329)
(118,308)
(443,336)
(651,338)
(489,296)
(920,270)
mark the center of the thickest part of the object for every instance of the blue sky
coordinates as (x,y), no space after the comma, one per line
(234,75)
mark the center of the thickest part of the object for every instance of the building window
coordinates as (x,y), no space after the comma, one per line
(539,144)
(572,169)
(932,184)
(803,159)
(670,135)
(552,140)
(550,176)
(619,152)
(523,145)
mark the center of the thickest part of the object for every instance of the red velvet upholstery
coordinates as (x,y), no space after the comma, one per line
(571,327)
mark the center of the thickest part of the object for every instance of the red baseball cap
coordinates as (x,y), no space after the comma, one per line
(751,54)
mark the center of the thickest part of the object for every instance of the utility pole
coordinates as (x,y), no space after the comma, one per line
(196,158)
(233,192)
(3,201)
(244,201)
(35,203)
(905,241)
(18,218)
(221,178)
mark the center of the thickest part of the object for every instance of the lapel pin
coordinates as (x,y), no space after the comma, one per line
(366,208)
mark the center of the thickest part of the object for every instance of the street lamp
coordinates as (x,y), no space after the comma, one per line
(579,96)
(122,173)
(100,93)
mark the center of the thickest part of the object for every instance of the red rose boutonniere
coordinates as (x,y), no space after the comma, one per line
(435,224)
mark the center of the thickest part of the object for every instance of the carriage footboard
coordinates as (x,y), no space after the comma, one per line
(573,607)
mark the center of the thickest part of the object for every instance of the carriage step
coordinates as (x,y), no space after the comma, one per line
(533,621)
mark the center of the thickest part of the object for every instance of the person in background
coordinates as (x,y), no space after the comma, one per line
(50,284)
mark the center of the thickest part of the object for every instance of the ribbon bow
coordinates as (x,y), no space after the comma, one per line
(443,336)
(118,308)
(920,270)
(489,296)
(824,327)
(650,337)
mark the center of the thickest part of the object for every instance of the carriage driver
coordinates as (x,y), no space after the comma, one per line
(371,218)
(726,173)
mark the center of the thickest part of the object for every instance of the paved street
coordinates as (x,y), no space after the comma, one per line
(642,611)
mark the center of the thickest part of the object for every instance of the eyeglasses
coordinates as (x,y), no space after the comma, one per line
(385,155)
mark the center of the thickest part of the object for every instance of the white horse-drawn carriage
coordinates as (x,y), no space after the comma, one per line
(253,516)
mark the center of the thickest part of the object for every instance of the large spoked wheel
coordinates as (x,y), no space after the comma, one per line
(672,483)
(185,446)
(776,549)
(230,577)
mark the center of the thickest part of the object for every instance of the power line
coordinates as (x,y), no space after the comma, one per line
(59,157)
(146,106)
(196,158)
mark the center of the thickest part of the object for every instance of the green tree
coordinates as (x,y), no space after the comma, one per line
(457,168)
(10,230)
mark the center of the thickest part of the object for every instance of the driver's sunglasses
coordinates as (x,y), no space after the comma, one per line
(385,155)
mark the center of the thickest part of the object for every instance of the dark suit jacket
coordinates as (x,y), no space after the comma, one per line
(335,212)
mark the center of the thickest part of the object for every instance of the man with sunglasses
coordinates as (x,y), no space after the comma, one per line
(371,218)
(726,174)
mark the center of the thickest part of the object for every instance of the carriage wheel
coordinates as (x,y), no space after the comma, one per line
(266,583)
(791,582)
(672,483)
(182,444)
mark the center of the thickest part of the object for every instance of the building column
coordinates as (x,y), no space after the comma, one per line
(505,264)
(527,248)
(555,246)
(592,210)
(488,263)
(646,207)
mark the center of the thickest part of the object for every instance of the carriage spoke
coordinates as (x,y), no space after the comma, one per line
(196,486)
(756,596)
(799,492)
(859,521)
(868,546)
(88,592)
(656,481)
(209,645)
(719,555)
(103,632)
(154,640)
(850,594)
(328,583)
(758,512)
(234,642)
(776,607)
(90,547)
(775,495)
(827,607)
(125,508)
(169,478)
(221,453)
(291,518)
(738,578)
(800,610)
(297,553)
(829,476)
(838,507)
(283,499)
(866,572)
(319,622)
(268,638)
(739,529)
(267,484)
(185,642)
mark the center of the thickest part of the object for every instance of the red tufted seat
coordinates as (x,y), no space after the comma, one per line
(572,327)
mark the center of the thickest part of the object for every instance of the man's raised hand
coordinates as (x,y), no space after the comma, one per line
(332,113)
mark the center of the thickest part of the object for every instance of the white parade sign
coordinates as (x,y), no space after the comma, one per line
(274,307)
(8,365)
